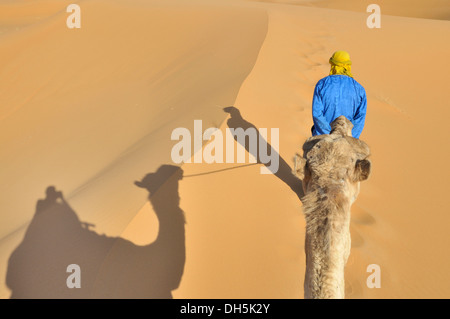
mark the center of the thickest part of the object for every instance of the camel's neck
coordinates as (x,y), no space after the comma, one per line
(170,216)
(327,246)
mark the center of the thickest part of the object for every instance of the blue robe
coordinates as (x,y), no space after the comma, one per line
(337,95)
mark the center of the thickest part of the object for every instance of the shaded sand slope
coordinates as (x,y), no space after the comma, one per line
(92,110)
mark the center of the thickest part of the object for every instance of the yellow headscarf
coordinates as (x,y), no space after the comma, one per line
(341,64)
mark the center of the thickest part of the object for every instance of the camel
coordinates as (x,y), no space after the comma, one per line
(331,169)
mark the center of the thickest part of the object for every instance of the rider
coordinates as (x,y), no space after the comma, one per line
(339,94)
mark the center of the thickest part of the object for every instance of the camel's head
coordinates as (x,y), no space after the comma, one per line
(333,163)
(166,175)
(341,126)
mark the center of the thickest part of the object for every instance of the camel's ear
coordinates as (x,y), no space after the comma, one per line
(299,166)
(362,170)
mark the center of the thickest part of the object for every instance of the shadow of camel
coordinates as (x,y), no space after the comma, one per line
(284,172)
(110,267)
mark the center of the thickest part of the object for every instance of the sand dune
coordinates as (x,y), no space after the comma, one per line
(91,110)
(436,9)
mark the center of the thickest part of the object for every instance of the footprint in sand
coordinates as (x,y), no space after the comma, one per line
(353,289)
(389,103)
(361,216)
(356,238)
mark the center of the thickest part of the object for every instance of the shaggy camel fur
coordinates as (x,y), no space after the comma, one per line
(331,169)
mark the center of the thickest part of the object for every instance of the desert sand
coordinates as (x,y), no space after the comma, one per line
(91,110)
